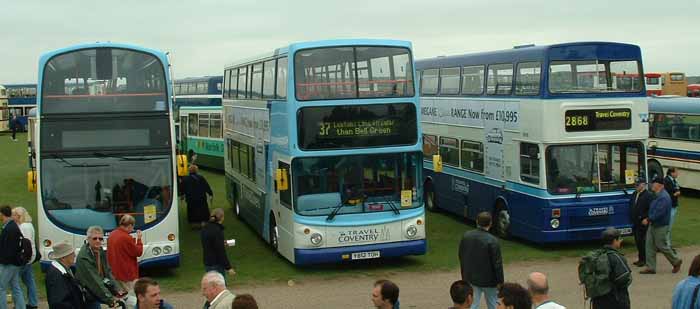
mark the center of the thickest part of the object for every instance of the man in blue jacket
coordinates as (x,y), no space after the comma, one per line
(659,217)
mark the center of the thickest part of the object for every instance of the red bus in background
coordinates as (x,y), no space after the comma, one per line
(653,84)
(694,90)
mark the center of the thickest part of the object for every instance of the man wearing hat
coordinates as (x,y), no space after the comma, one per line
(639,212)
(659,217)
(62,289)
(620,274)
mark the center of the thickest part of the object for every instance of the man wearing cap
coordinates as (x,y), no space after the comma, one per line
(620,274)
(659,217)
(639,212)
(62,289)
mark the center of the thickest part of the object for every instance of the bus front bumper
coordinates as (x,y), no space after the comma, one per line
(342,254)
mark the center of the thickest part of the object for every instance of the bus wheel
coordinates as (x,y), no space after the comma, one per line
(430,198)
(655,170)
(502,221)
(274,233)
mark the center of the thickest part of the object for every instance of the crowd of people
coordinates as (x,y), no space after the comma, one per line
(94,276)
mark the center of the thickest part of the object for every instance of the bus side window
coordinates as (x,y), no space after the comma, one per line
(530,163)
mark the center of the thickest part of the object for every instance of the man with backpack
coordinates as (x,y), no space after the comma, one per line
(605,273)
(10,260)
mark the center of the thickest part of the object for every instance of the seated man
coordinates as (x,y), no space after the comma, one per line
(93,271)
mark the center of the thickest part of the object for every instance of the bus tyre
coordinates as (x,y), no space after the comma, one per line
(274,233)
(502,221)
(430,198)
(655,170)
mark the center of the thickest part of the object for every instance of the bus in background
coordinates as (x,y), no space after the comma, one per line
(194,91)
(652,83)
(21,98)
(323,150)
(674,138)
(202,140)
(104,147)
(4,110)
(674,83)
(694,90)
(542,137)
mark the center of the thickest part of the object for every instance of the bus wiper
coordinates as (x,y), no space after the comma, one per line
(60,158)
(391,204)
(342,204)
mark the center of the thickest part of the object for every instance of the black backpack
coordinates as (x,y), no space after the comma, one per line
(24,254)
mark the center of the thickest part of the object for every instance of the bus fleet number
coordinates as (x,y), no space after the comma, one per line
(576,121)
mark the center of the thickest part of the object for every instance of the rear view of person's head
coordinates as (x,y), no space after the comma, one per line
(483,220)
(513,296)
(244,301)
(462,294)
(385,294)
(694,270)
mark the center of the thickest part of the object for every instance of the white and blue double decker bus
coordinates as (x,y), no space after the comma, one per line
(548,139)
(104,147)
(20,99)
(323,149)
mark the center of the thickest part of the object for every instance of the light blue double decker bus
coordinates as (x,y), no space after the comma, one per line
(549,139)
(103,147)
(323,149)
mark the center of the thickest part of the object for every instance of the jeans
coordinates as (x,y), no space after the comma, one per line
(491,295)
(674,211)
(9,278)
(27,276)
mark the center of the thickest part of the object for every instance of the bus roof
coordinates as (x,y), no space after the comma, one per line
(315,44)
(674,105)
(200,79)
(48,55)
(563,51)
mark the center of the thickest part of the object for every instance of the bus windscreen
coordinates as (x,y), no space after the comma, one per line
(354,126)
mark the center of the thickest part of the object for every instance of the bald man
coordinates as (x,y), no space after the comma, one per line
(539,289)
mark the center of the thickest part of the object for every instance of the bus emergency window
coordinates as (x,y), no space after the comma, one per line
(193,125)
(527,82)
(530,163)
(500,79)
(429,82)
(430,146)
(242,82)
(256,85)
(449,81)
(449,150)
(626,76)
(236,156)
(281,92)
(204,125)
(473,80)
(269,80)
(473,156)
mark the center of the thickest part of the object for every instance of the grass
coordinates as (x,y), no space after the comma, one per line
(257,264)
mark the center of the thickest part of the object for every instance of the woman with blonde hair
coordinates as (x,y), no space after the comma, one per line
(24,220)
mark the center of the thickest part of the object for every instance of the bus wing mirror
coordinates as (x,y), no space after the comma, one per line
(437,163)
(31,181)
(181,165)
(281,179)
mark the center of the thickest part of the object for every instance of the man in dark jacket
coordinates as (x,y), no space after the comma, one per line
(195,187)
(659,217)
(674,191)
(213,245)
(480,261)
(620,273)
(62,289)
(639,212)
(14,123)
(10,265)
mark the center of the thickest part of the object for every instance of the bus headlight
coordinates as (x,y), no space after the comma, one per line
(554,223)
(167,250)
(411,231)
(316,239)
(156,251)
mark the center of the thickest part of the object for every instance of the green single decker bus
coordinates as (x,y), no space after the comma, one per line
(202,140)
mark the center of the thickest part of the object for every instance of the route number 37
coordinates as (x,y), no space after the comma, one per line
(323,128)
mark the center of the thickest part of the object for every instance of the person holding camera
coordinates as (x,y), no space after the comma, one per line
(94,274)
(123,255)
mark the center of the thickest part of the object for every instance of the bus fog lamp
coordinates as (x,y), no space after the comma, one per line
(47,243)
(316,239)
(554,223)
(156,251)
(411,231)
(171,237)
(167,250)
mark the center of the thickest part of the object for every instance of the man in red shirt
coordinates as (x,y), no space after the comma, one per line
(122,254)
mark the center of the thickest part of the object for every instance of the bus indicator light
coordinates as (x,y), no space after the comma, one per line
(556,213)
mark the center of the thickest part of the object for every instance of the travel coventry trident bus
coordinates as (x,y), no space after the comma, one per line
(323,150)
(543,137)
(104,147)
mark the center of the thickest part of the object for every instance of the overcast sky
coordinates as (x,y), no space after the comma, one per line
(202,36)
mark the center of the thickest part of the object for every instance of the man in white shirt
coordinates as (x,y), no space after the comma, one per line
(539,290)
(214,290)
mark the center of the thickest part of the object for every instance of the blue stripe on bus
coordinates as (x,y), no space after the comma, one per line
(361,218)
(674,153)
(334,255)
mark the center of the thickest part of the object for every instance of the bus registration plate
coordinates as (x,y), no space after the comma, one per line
(365,255)
(626,231)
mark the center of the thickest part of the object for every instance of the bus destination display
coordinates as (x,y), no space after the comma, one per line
(598,119)
(334,127)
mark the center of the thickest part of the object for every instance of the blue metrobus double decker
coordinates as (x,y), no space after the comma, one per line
(549,139)
(20,99)
(322,150)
